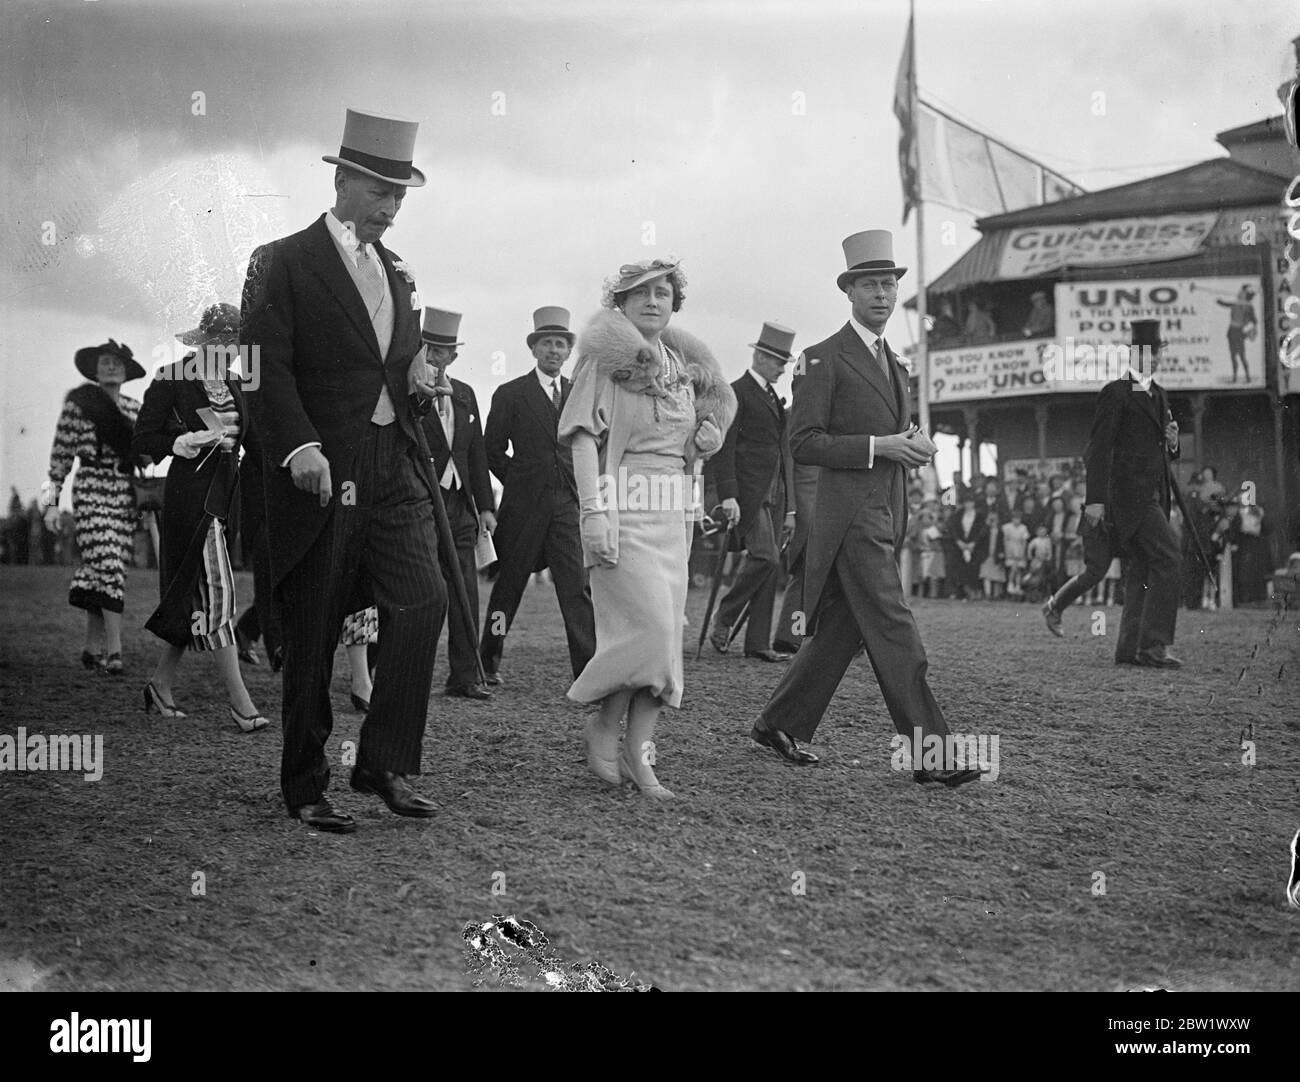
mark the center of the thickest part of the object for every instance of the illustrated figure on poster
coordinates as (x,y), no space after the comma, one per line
(1242,324)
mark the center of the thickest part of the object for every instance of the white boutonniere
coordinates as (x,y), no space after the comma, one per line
(404,269)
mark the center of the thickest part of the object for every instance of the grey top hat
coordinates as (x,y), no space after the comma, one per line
(440,327)
(551,320)
(868,252)
(379,146)
(775,340)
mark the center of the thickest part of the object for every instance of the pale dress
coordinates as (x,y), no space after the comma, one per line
(639,604)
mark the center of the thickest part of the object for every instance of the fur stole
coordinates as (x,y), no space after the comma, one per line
(613,344)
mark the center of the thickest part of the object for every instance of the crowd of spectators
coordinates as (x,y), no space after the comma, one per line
(1021,541)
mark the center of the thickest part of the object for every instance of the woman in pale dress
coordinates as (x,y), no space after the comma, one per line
(647,403)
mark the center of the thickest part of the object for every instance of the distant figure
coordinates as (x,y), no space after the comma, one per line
(1242,324)
(1042,316)
(979,324)
(946,328)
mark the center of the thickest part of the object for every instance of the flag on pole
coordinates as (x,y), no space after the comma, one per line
(903,102)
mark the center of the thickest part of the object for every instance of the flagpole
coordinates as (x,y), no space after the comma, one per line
(929,476)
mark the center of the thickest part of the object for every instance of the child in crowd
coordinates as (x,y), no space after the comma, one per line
(1040,564)
(933,571)
(992,573)
(1015,545)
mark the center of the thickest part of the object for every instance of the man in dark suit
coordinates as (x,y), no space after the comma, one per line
(753,477)
(850,418)
(538,525)
(791,626)
(1128,486)
(332,316)
(455,436)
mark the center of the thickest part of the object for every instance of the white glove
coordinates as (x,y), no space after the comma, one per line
(49,496)
(708,437)
(188,444)
(596,537)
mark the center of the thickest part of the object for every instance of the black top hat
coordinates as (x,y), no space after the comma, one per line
(1145,332)
(87,361)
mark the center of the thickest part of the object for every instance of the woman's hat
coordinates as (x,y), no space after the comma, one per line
(1146,332)
(219,325)
(441,327)
(87,361)
(631,275)
(775,340)
(551,320)
(379,146)
(868,252)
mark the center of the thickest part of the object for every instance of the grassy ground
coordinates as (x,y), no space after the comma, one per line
(1133,774)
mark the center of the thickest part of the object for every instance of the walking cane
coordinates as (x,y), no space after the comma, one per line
(713,591)
(1188,523)
(447,544)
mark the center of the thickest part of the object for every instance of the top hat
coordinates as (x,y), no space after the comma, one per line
(87,361)
(219,325)
(869,252)
(1145,332)
(631,275)
(441,327)
(380,147)
(549,320)
(775,340)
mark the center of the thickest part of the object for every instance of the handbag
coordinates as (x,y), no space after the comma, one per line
(148,491)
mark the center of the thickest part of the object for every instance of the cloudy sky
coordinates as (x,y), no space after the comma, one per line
(149,146)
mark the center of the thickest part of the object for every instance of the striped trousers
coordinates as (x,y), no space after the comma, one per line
(386,540)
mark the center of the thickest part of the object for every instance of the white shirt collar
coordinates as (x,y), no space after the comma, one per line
(1137,377)
(342,237)
(760,380)
(546,381)
(869,337)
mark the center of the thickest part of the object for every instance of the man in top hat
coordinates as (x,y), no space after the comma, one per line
(333,316)
(539,522)
(755,484)
(1128,485)
(850,418)
(455,434)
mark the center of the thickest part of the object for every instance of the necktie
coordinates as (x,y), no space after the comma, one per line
(776,401)
(882,359)
(370,278)
(372,282)
(555,394)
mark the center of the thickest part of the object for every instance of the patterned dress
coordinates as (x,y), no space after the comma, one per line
(103,502)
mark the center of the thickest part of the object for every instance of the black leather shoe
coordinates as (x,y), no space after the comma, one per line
(494,678)
(244,646)
(322,816)
(950,778)
(781,743)
(1053,619)
(785,647)
(469,691)
(720,638)
(1157,657)
(394,790)
(1126,660)
(768,655)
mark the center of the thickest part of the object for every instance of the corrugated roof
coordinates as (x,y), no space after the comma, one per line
(1209,185)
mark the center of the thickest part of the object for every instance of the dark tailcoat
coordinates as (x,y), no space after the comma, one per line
(843,401)
(197,490)
(320,374)
(522,450)
(1125,458)
(538,524)
(752,465)
(467,448)
(853,592)
(1127,472)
